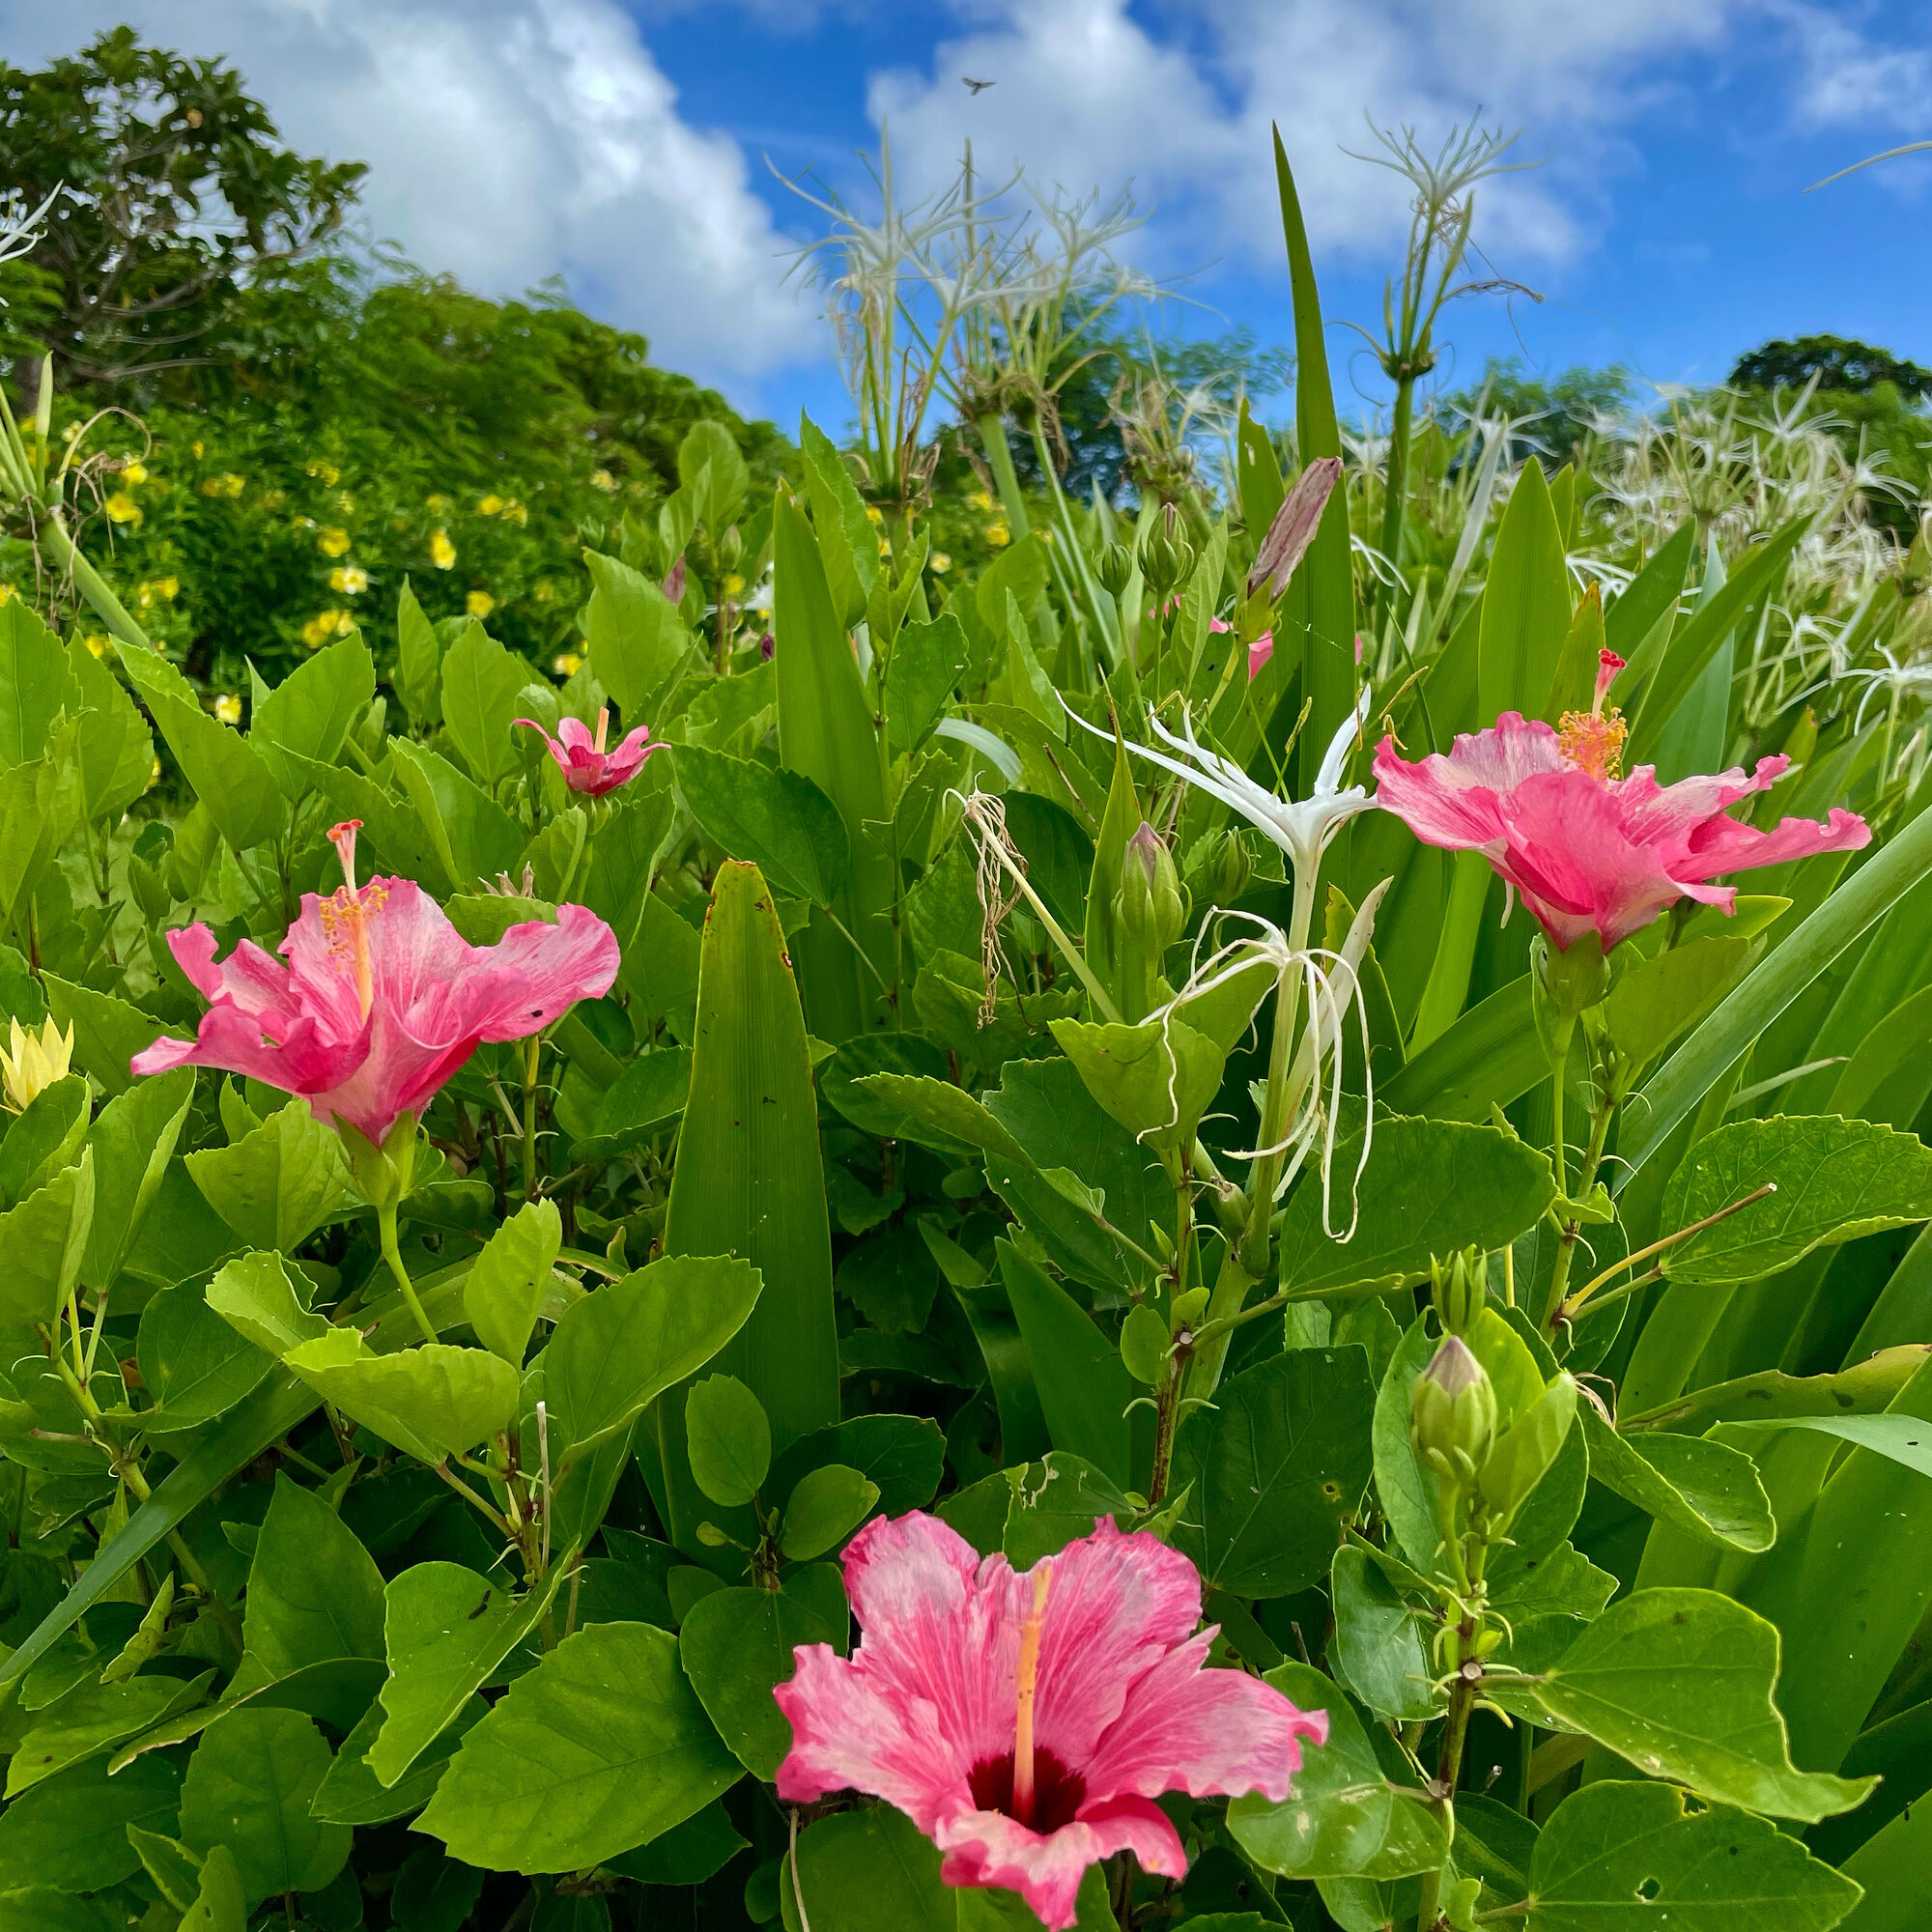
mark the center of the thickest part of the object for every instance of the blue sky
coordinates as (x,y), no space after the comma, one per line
(622,144)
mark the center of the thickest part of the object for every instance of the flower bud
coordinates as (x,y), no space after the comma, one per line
(730,548)
(1115,567)
(1459,1288)
(1219,869)
(39,1059)
(1153,908)
(1452,1413)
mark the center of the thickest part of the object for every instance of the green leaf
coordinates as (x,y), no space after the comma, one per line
(314,1592)
(904,1455)
(727,1439)
(1708,1491)
(70,1831)
(616,1350)
(1526,605)
(507,1282)
(109,1032)
(1343,1817)
(870,1871)
(431,1401)
(91,1720)
(749,1180)
(737,1644)
(44,1139)
(1678,1682)
(1143,1344)
(133,1140)
(688,1854)
(1429,1189)
(114,753)
(1381,1648)
(351,1794)
(1485,1059)
(195,1365)
(1084,1387)
(472,837)
(255,1296)
(927,662)
(1157,1079)
(248,1787)
(1617,1856)
(599,1748)
(418,661)
(846,542)
(1657,999)
(644,1100)
(637,639)
(230,779)
(44,1240)
(1277,1465)
(1051,1504)
(778,820)
(309,713)
(1835,1179)
(38,1910)
(825,1508)
(445,1630)
(36,683)
(278,1184)
(482,689)
(827,734)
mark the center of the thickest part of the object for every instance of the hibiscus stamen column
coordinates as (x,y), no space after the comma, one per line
(1026,1691)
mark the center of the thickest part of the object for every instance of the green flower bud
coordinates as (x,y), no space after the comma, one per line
(1160,563)
(1219,869)
(1459,1288)
(1153,908)
(1115,567)
(1452,1414)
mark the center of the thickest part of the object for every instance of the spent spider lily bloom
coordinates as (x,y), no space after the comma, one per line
(586,766)
(1026,1724)
(1301,827)
(381,999)
(1585,847)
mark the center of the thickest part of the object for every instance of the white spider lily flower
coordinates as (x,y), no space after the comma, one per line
(1301,827)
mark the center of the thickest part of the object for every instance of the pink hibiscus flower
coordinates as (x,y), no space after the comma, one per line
(1259,652)
(1582,846)
(1026,1724)
(586,766)
(381,999)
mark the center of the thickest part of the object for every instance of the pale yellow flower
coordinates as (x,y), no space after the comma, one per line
(154,775)
(133,472)
(95,642)
(733,584)
(515,513)
(325,473)
(38,1060)
(327,624)
(167,589)
(565,663)
(227,484)
(998,535)
(122,508)
(603,479)
(228,708)
(940,562)
(488,506)
(479,603)
(194,449)
(980,500)
(438,502)
(442,552)
(333,541)
(874,514)
(348,580)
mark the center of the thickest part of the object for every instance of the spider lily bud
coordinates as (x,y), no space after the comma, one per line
(38,1060)
(1116,566)
(1166,563)
(1153,908)
(1219,869)
(1459,1288)
(1452,1414)
(1525,1450)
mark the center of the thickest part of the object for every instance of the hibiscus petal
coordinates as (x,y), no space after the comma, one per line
(537,972)
(1214,1733)
(988,1848)
(1723,845)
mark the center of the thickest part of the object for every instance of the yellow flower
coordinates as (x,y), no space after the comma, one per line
(442,552)
(885,547)
(874,514)
(488,506)
(940,562)
(333,541)
(479,603)
(327,624)
(122,508)
(194,449)
(325,473)
(38,1060)
(515,513)
(97,644)
(565,663)
(154,775)
(998,534)
(6,592)
(167,589)
(980,500)
(133,472)
(438,502)
(273,499)
(733,584)
(227,484)
(350,580)
(228,708)
(603,479)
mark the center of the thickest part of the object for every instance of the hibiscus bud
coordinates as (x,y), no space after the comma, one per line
(1219,869)
(1459,1288)
(1153,906)
(1116,566)
(730,547)
(1452,1413)
(1525,1451)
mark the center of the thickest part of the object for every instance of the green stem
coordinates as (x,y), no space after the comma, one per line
(991,429)
(530,1189)
(89,582)
(1449,1765)
(1275,1099)
(1586,1179)
(1394,495)
(386,1223)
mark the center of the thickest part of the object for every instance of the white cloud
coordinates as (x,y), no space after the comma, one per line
(1846,82)
(507,140)
(1085,92)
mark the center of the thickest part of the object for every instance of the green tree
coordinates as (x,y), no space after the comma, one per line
(1834,361)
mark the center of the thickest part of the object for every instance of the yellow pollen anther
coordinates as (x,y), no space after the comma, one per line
(1593,741)
(1028,1686)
